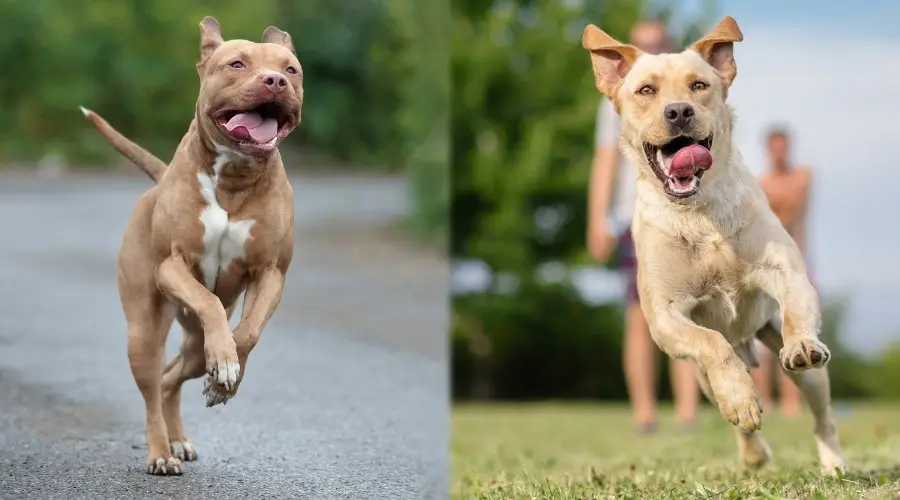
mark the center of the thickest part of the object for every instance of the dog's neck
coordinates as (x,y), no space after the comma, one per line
(232,170)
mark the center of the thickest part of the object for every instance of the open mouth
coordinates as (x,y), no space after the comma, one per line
(680,163)
(257,130)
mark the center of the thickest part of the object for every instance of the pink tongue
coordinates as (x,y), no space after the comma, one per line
(689,160)
(251,125)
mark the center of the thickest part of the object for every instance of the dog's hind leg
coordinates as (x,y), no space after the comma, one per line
(149,316)
(188,364)
(816,388)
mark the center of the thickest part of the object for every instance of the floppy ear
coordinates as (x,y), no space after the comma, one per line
(611,59)
(717,48)
(210,37)
(278,37)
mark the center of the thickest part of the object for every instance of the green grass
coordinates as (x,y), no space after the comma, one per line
(582,451)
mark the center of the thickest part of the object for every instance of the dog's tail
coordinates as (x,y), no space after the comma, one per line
(145,160)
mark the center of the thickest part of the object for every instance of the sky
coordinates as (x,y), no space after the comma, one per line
(830,70)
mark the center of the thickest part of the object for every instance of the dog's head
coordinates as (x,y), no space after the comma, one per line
(250,93)
(674,116)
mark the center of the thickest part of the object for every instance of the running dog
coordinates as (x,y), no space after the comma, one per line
(219,223)
(715,266)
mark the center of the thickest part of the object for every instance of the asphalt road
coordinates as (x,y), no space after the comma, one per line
(345,396)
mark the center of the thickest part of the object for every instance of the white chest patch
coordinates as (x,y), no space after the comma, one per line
(223,240)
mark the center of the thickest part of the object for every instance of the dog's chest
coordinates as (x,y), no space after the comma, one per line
(726,303)
(223,239)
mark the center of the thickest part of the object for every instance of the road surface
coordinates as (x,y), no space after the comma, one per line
(345,396)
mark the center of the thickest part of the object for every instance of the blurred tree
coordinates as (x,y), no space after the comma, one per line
(883,378)
(134,62)
(421,57)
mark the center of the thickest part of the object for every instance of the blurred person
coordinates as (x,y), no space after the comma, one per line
(787,187)
(611,195)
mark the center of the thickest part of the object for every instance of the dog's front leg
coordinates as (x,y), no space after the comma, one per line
(782,276)
(780,273)
(174,278)
(260,301)
(730,385)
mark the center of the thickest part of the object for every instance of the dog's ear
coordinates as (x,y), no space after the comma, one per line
(717,48)
(610,58)
(278,37)
(210,37)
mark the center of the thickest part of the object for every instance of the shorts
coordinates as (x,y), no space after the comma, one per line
(628,267)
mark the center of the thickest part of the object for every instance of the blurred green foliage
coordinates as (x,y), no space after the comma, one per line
(524,105)
(376,85)
(423,119)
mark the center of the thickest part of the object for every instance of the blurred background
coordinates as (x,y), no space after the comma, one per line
(367,290)
(377,95)
(535,317)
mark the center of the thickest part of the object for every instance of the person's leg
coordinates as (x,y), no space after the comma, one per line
(639,351)
(640,368)
(762,376)
(685,391)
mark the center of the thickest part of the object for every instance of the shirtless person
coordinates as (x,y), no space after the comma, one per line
(612,194)
(787,188)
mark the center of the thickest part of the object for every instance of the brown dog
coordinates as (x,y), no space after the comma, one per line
(220,222)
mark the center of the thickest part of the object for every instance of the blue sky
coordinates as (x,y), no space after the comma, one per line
(877,18)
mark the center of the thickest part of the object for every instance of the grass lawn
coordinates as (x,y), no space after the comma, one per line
(590,451)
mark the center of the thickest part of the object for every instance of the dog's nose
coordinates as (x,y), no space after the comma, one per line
(275,81)
(679,114)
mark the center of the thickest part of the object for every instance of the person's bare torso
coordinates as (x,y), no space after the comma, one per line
(787,193)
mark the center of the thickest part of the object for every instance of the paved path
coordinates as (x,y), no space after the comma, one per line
(345,396)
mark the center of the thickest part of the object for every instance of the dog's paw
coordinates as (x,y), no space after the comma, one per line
(222,364)
(217,393)
(164,467)
(737,398)
(184,450)
(831,457)
(833,466)
(804,353)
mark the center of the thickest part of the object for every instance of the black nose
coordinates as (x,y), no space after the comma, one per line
(679,114)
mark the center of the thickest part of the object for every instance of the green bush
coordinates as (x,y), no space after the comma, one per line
(883,377)
(543,342)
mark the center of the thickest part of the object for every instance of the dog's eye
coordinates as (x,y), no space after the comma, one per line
(292,70)
(647,90)
(237,65)
(698,85)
